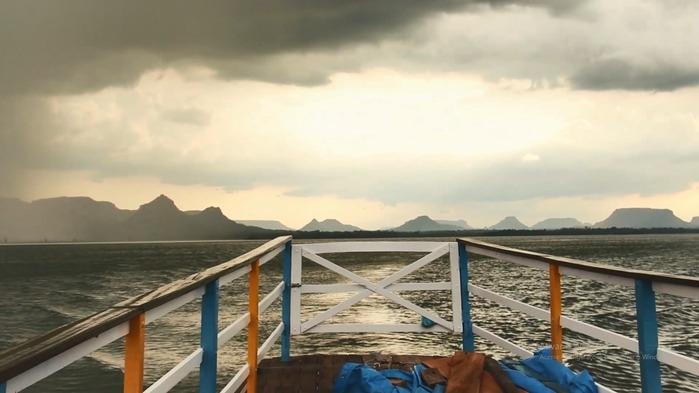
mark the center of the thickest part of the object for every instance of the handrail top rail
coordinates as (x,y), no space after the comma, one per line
(30,353)
(681,280)
(26,356)
(338,247)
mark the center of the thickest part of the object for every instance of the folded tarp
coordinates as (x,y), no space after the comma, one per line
(464,372)
(468,372)
(359,378)
(472,372)
(542,373)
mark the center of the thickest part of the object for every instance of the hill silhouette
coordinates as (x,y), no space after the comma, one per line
(508,223)
(265,224)
(637,217)
(84,219)
(558,223)
(329,225)
(61,219)
(66,219)
(425,224)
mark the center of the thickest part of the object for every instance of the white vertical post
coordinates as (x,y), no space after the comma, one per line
(296,261)
(455,287)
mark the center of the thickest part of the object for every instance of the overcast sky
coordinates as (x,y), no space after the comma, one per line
(371,112)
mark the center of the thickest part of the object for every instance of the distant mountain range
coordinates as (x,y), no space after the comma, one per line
(329,225)
(84,219)
(635,218)
(458,223)
(559,223)
(426,224)
(60,219)
(509,222)
(265,224)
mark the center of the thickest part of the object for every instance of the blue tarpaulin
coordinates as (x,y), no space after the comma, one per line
(359,378)
(542,373)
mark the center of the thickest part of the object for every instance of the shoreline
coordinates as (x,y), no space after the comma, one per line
(388,235)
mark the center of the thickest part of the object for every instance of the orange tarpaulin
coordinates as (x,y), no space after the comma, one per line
(470,372)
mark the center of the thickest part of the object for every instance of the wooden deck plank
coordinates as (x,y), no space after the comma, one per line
(317,373)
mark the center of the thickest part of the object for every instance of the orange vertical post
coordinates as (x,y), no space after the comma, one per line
(253,325)
(135,354)
(555,302)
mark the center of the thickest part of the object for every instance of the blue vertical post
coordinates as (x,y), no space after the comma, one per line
(209,338)
(3,387)
(466,324)
(647,323)
(286,302)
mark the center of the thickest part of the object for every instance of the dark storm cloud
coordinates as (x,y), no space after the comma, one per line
(74,46)
(621,74)
(78,45)
(68,47)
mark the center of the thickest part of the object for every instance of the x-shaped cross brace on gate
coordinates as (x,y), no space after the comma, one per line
(380,288)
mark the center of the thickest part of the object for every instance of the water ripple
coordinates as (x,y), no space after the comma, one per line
(47,286)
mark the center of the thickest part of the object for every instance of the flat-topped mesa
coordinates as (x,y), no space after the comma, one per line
(60,219)
(637,217)
(328,225)
(509,223)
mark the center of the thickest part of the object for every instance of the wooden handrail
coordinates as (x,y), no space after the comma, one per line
(586,266)
(131,315)
(643,281)
(25,356)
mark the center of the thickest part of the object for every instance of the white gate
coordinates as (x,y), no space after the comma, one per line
(388,287)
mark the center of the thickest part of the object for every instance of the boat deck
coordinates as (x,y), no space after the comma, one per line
(38,358)
(316,373)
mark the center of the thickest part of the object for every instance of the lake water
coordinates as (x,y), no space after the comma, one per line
(45,286)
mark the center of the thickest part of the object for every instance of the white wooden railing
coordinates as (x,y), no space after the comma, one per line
(36,359)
